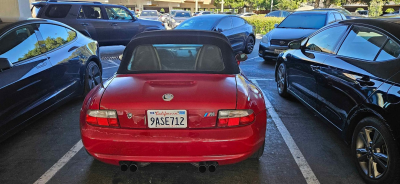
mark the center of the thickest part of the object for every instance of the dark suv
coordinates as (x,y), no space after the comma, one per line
(108,24)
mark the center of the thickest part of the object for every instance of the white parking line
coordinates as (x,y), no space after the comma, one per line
(301,162)
(110,67)
(60,163)
(113,62)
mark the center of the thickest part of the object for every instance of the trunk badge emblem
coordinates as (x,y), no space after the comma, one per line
(129,115)
(167,97)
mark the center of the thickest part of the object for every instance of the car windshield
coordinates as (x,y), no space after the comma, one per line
(173,13)
(182,14)
(148,14)
(176,57)
(304,21)
(199,23)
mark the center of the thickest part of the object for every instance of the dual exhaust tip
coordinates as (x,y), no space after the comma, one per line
(211,166)
(133,167)
(203,166)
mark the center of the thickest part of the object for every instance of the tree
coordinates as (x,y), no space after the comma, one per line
(358,9)
(289,4)
(162,10)
(375,8)
(389,10)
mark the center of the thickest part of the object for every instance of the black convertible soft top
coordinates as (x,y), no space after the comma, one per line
(181,37)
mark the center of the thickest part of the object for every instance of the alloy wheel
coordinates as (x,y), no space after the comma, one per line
(372,152)
(281,78)
(250,45)
(93,76)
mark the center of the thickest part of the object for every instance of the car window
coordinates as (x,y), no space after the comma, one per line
(116,13)
(304,21)
(225,24)
(338,17)
(35,10)
(149,14)
(182,14)
(343,17)
(331,18)
(326,40)
(391,50)
(285,13)
(90,12)
(199,23)
(206,13)
(20,44)
(237,22)
(362,43)
(55,36)
(176,57)
(57,10)
(273,14)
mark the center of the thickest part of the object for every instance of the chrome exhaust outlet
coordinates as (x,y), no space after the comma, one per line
(212,168)
(124,166)
(202,167)
(133,167)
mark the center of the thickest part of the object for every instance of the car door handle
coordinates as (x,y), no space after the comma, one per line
(84,24)
(315,68)
(365,81)
(72,48)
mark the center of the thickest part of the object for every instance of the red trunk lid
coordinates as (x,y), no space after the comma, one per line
(197,93)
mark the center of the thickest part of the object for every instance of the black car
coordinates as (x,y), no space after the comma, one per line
(108,24)
(348,73)
(239,32)
(43,64)
(297,25)
(279,13)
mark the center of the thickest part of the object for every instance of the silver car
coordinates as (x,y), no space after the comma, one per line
(179,17)
(149,15)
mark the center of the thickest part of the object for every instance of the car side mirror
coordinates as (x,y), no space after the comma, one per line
(241,57)
(296,44)
(5,64)
(219,30)
(120,57)
(276,25)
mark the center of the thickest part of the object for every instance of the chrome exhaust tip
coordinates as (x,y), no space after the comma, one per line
(212,168)
(124,167)
(133,167)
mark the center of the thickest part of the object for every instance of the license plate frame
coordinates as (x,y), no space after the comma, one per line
(278,51)
(167,119)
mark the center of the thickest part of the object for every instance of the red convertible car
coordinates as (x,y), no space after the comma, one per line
(177,97)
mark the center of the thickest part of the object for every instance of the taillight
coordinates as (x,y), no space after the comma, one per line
(229,118)
(102,118)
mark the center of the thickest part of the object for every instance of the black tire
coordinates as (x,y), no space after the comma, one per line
(281,82)
(92,76)
(257,155)
(249,45)
(376,153)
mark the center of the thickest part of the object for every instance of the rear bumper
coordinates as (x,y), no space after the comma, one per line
(223,145)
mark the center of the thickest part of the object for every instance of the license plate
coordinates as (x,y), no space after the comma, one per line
(167,118)
(277,51)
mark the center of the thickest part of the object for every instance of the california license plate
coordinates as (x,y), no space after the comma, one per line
(167,118)
(277,51)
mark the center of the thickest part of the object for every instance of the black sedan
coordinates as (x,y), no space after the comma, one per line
(348,73)
(43,64)
(239,32)
(297,25)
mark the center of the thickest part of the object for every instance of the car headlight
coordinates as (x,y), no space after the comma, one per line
(265,39)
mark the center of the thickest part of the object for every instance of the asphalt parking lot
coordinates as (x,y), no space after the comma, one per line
(299,147)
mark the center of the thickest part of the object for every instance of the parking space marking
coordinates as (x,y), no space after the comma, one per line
(60,163)
(113,62)
(305,169)
(110,67)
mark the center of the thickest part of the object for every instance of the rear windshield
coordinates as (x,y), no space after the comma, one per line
(148,13)
(57,10)
(182,14)
(304,21)
(183,58)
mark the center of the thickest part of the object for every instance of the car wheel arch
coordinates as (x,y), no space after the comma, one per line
(84,66)
(360,113)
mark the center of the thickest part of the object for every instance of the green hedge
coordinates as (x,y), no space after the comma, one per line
(263,24)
